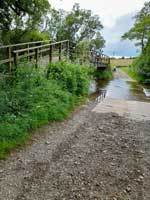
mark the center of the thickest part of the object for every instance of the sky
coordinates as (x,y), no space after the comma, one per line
(116,17)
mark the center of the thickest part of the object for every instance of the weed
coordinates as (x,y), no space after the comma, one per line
(29,100)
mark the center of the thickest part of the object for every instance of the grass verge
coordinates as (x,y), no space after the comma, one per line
(132,73)
(32,98)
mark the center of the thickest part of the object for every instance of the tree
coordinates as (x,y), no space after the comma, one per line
(141,66)
(98,42)
(54,21)
(77,25)
(19,16)
(140,32)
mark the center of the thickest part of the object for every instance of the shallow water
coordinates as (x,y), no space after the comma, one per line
(121,89)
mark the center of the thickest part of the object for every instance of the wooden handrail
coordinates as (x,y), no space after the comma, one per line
(26,43)
(37,50)
(41,46)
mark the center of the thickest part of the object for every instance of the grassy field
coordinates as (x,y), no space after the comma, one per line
(121,62)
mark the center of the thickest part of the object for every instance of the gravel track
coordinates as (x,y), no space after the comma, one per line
(89,156)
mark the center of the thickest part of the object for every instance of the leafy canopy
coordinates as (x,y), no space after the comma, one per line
(140,32)
(77,25)
(19,17)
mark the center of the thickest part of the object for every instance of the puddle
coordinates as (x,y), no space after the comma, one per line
(119,89)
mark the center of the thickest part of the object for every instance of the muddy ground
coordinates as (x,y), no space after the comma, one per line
(91,155)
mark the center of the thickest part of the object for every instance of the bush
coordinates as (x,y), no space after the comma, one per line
(29,100)
(71,77)
(104,75)
(141,66)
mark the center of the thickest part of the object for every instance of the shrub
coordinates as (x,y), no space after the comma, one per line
(104,75)
(141,66)
(71,77)
(29,100)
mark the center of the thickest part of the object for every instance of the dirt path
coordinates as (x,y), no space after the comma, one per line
(92,155)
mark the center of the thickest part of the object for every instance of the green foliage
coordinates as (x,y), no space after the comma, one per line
(140,69)
(141,66)
(29,100)
(98,42)
(18,18)
(104,75)
(34,35)
(72,77)
(76,25)
(140,32)
(132,73)
(25,21)
(83,47)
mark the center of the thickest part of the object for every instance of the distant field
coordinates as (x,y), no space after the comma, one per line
(121,62)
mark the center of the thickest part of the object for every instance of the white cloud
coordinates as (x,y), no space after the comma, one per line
(116,16)
(108,10)
(122,24)
(112,35)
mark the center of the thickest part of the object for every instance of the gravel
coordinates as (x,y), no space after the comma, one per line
(91,156)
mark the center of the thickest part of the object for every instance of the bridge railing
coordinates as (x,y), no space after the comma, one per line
(91,57)
(10,55)
(100,60)
(6,51)
(36,51)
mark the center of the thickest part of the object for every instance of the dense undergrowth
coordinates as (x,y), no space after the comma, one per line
(140,69)
(141,66)
(103,75)
(33,97)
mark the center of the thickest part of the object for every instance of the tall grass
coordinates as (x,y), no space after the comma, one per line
(140,69)
(32,98)
(104,75)
(129,70)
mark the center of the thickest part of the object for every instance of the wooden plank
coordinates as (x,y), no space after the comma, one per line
(60,51)
(9,56)
(28,46)
(68,50)
(22,44)
(16,59)
(41,46)
(36,57)
(6,61)
(50,53)
(43,50)
(26,55)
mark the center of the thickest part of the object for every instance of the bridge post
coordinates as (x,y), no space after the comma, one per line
(60,51)
(36,57)
(68,50)
(16,59)
(50,53)
(9,56)
(28,46)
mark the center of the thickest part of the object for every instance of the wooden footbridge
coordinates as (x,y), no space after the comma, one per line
(100,60)
(39,51)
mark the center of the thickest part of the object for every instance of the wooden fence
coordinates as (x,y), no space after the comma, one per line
(11,54)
